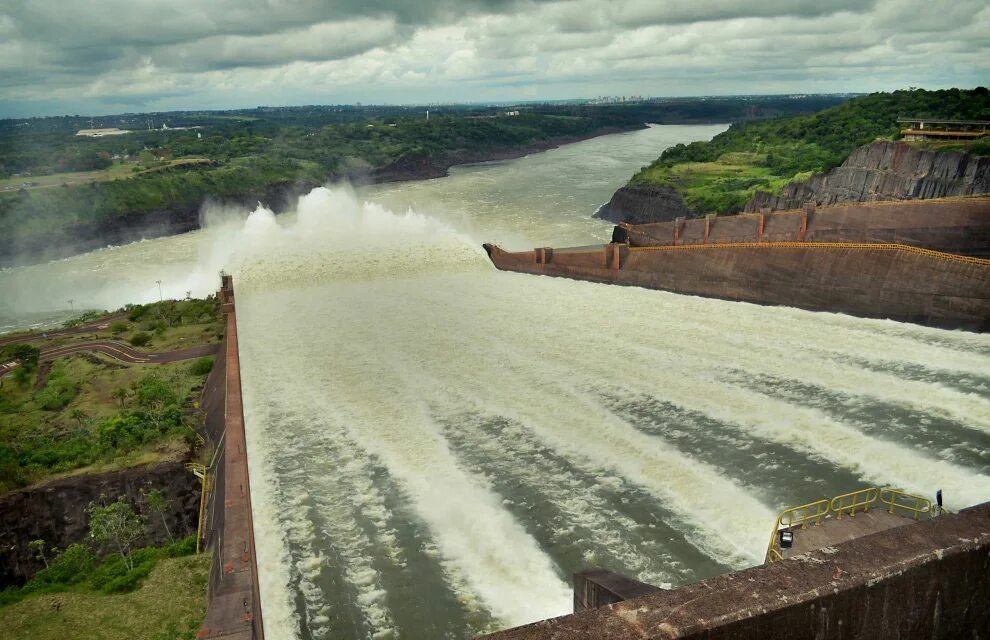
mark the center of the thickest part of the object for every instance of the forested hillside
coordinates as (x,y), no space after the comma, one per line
(61,193)
(720,175)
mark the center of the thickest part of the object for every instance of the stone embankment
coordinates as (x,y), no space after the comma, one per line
(886,171)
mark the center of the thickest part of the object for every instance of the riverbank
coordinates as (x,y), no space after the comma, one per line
(183,214)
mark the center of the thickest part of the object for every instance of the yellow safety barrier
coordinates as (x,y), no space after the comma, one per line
(201,472)
(812,512)
(897,499)
(852,502)
(950,257)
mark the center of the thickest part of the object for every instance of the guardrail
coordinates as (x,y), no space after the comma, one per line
(860,500)
(908,504)
(812,512)
(896,499)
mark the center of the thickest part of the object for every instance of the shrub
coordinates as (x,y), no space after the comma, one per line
(118,327)
(140,339)
(72,566)
(201,367)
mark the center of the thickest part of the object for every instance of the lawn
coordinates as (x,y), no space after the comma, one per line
(170,604)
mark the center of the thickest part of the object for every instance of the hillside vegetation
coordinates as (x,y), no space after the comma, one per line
(720,175)
(59,190)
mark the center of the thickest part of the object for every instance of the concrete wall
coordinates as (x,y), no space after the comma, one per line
(862,280)
(234,610)
(928,580)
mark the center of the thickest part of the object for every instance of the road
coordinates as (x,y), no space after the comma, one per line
(103,323)
(119,351)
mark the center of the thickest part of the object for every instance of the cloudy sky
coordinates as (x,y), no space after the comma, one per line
(108,56)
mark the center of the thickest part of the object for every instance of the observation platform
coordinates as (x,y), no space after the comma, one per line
(825,523)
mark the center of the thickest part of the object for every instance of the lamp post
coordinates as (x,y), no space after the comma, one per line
(160,298)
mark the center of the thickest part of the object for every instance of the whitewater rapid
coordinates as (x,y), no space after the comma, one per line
(438,445)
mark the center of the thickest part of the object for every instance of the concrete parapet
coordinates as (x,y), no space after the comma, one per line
(595,588)
(929,580)
(234,609)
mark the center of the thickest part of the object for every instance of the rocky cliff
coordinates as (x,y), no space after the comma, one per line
(642,204)
(885,171)
(56,512)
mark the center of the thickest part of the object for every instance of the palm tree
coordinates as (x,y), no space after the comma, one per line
(79,416)
(120,393)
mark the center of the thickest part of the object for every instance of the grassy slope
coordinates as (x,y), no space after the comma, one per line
(39,443)
(170,604)
(720,175)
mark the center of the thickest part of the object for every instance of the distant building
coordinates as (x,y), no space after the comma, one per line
(99,133)
(932,129)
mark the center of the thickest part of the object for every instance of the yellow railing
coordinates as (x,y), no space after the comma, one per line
(896,499)
(201,472)
(813,512)
(852,502)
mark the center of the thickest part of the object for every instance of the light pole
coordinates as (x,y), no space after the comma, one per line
(160,298)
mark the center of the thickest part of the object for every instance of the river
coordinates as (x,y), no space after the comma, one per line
(435,446)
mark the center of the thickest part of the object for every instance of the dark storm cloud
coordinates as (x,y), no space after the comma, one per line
(229,52)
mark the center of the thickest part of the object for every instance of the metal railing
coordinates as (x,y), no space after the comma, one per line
(852,502)
(813,512)
(914,506)
(898,502)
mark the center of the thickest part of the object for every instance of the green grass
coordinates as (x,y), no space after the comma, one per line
(76,424)
(723,185)
(170,604)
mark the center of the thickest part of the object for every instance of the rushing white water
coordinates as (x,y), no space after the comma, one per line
(435,446)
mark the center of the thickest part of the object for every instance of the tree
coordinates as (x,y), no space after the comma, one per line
(116,524)
(120,393)
(79,416)
(161,505)
(38,547)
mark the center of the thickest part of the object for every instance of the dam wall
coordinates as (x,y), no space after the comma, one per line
(868,280)
(234,609)
(952,225)
(929,580)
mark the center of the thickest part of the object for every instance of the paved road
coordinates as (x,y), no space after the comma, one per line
(120,351)
(103,323)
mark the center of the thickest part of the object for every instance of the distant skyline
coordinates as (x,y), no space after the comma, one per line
(113,56)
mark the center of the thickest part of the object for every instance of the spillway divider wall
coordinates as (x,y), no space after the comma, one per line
(234,599)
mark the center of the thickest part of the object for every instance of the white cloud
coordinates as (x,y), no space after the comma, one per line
(186,53)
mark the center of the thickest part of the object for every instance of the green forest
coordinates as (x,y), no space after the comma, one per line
(58,189)
(720,175)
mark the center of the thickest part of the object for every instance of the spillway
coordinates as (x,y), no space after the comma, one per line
(435,446)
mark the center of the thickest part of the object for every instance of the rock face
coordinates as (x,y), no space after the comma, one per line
(56,512)
(642,204)
(885,171)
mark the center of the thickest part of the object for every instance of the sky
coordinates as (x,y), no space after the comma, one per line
(94,57)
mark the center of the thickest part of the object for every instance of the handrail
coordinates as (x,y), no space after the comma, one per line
(896,499)
(802,515)
(941,255)
(852,502)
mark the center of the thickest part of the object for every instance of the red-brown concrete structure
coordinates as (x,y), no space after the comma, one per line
(234,610)
(842,259)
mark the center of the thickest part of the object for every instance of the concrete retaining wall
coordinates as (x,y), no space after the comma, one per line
(864,280)
(234,610)
(927,580)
